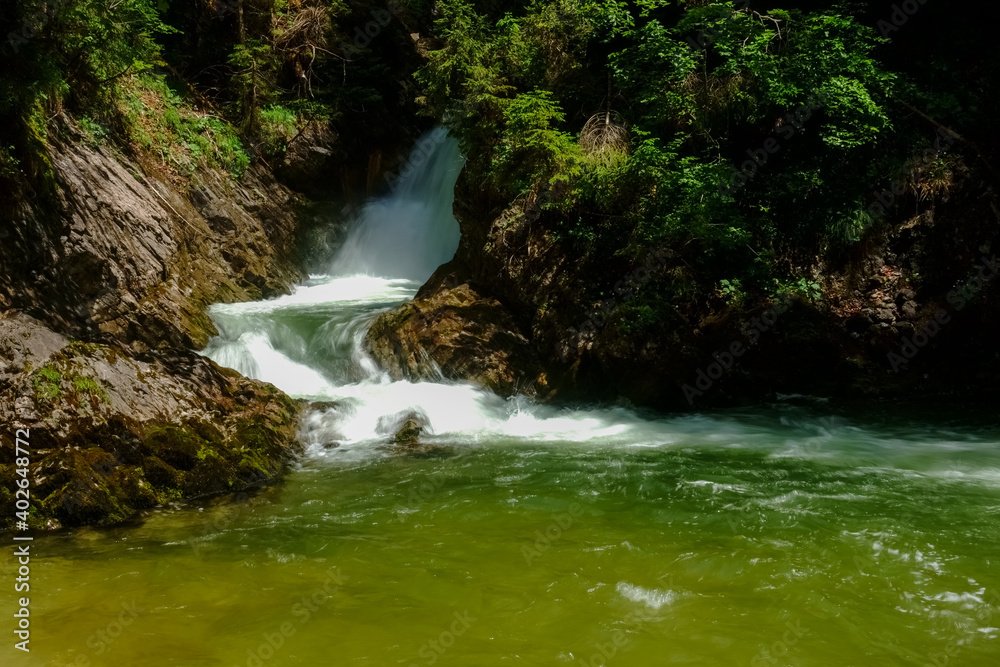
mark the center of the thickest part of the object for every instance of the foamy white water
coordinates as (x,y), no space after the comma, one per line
(412,232)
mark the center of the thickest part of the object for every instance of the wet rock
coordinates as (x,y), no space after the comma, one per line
(104,450)
(454,332)
(319,426)
(409,433)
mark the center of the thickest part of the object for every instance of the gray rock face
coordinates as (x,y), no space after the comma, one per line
(132,258)
(116,269)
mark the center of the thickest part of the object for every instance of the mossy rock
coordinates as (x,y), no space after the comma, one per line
(85,499)
(213,474)
(161,474)
(255,469)
(257,435)
(175,445)
(118,436)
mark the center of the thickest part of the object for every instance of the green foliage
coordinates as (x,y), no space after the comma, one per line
(699,88)
(732,291)
(9,164)
(279,125)
(159,120)
(804,287)
(94,133)
(47,382)
(81,51)
(89,386)
(848,227)
(254,64)
(530,144)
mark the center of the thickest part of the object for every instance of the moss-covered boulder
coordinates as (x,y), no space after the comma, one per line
(111,435)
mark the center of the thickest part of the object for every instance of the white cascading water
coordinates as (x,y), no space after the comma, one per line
(412,232)
(309,343)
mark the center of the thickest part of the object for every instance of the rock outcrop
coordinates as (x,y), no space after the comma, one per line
(104,286)
(521,308)
(124,255)
(450,330)
(110,435)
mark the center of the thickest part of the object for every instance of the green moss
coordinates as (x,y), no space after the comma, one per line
(255,462)
(48,383)
(81,349)
(175,445)
(160,474)
(94,134)
(89,386)
(170,496)
(206,452)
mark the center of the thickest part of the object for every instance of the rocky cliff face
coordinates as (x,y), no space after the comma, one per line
(539,316)
(103,291)
(126,256)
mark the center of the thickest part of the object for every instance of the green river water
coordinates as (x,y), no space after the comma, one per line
(779,536)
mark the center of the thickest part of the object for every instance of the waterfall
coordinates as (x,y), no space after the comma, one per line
(309,343)
(411,232)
